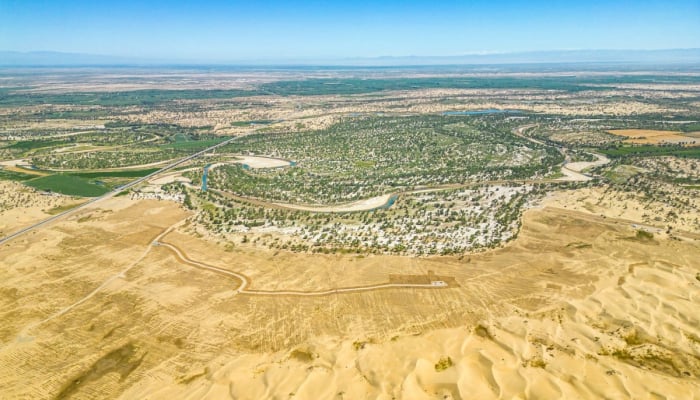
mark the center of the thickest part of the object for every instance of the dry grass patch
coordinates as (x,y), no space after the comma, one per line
(647,136)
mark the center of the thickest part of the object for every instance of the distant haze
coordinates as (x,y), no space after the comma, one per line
(627,57)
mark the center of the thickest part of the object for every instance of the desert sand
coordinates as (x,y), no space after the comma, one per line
(22,206)
(579,306)
(632,207)
(165,179)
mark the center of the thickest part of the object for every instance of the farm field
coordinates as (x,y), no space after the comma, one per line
(67,184)
(642,136)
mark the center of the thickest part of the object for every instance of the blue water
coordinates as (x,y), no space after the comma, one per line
(391,202)
(388,203)
(204,177)
(481,112)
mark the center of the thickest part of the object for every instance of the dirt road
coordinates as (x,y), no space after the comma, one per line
(245,281)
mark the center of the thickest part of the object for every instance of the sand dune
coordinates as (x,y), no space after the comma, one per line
(576,307)
(634,337)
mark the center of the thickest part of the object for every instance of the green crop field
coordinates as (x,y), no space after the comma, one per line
(68,184)
(193,144)
(127,173)
(129,98)
(35,144)
(632,151)
(14,176)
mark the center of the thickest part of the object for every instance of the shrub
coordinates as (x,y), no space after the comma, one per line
(443,364)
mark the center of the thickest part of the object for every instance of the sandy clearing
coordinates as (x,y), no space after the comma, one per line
(573,170)
(170,177)
(52,124)
(572,176)
(13,163)
(261,162)
(360,205)
(163,180)
(579,166)
(21,165)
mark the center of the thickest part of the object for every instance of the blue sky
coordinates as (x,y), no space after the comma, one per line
(212,30)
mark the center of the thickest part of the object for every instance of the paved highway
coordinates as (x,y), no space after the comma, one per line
(115,191)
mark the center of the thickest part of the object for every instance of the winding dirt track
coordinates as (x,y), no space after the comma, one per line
(180,255)
(245,281)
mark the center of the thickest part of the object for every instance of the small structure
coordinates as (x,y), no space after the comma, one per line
(427,279)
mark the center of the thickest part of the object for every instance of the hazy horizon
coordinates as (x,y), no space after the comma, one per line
(553,57)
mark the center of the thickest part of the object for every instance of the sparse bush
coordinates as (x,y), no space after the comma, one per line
(443,364)
(644,235)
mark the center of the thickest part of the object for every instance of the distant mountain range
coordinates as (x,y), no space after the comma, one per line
(670,56)
(54,58)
